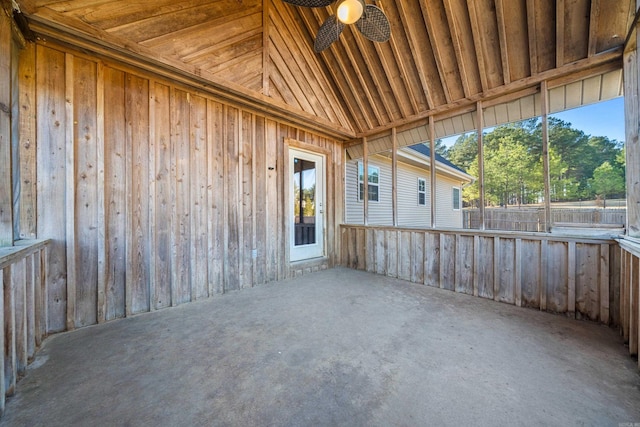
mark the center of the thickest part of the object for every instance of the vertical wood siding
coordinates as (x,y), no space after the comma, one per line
(555,274)
(154,194)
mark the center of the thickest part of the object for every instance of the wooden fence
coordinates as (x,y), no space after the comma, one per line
(533,219)
(630,293)
(24,309)
(561,274)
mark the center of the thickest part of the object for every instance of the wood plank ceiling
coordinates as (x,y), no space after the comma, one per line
(443,55)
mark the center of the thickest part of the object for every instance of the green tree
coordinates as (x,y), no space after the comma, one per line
(441,149)
(607,181)
(464,151)
(509,170)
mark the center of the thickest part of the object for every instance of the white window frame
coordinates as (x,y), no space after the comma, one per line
(374,184)
(453,198)
(423,191)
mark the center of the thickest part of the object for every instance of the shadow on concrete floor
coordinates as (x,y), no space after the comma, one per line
(338,347)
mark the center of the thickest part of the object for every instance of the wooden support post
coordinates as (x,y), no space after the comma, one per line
(496,268)
(605,272)
(394,176)
(518,272)
(432,148)
(480,125)
(365,180)
(544,253)
(6,182)
(571,286)
(634,314)
(545,155)
(631,64)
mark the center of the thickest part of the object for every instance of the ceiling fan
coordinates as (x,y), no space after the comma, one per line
(369,19)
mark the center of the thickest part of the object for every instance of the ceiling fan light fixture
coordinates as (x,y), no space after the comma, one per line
(349,11)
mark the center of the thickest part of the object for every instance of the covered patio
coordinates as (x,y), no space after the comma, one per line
(157,158)
(336,347)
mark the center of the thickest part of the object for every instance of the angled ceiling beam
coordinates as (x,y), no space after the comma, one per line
(364,47)
(593,26)
(456,33)
(559,33)
(435,46)
(415,47)
(311,63)
(531,31)
(365,88)
(502,34)
(402,67)
(311,20)
(475,30)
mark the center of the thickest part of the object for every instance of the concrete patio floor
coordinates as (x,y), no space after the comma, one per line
(337,347)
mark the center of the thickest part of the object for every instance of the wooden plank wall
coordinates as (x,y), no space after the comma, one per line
(629,294)
(558,274)
(23,305)
(154,194)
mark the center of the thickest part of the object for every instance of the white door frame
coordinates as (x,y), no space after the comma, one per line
(317,249)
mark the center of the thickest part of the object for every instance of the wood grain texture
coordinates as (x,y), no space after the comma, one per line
(27,145)
(187,185)
(51,152)
(6,70)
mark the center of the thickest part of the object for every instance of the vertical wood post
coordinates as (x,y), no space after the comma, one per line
(631,64)
(6,183)
(394,176)
(545,155)
(480,125)
(365,180)
(432,152)
(70,195)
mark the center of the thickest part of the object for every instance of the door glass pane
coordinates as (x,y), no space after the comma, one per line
(304,189)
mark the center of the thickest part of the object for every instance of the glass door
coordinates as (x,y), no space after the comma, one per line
(307,201)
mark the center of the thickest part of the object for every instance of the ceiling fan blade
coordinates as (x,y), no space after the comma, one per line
(374,24)
(310,3)
(329,32)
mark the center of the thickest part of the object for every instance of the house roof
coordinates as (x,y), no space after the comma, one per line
(444,56)
(426,151)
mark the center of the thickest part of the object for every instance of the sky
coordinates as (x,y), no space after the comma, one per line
(601,119)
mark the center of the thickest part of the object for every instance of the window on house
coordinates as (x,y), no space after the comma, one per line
(422,192)
(456,199)
(373,181)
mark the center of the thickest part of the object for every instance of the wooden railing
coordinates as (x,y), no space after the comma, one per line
(24,309)
(561,274)
(630,293)
(533,219)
